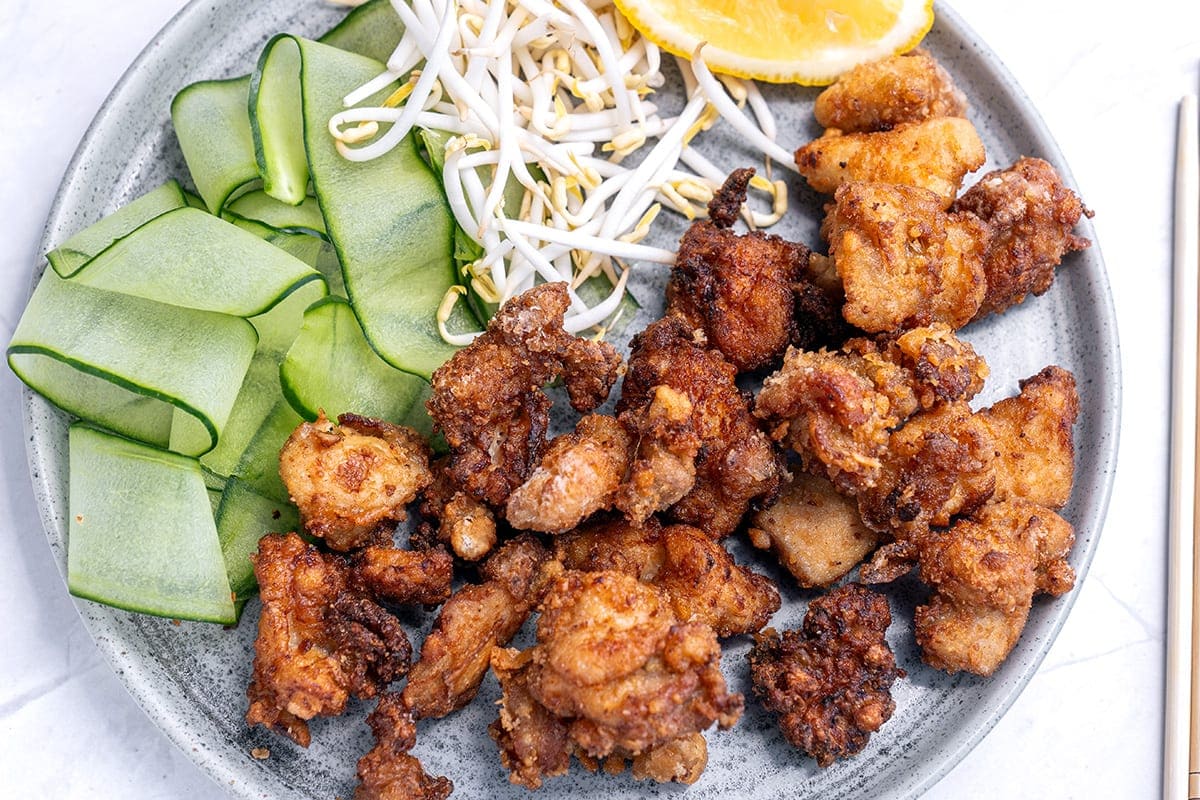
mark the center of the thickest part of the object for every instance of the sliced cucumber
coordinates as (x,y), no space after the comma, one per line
(213,128)
(372,30)
(141,533)
(243,517)
(125,362)
(258,467)
(330,366)
(72,254)
(192,259)
(261,207)
(387,218)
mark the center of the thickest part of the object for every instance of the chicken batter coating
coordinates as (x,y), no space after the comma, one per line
(934,154)
(815,531)
(387,771)
(737,288)
(1029,215)
(464,524)
(879,95)
(476,618)
(666,444)
(903,261)
(487,398)
(578,475)
(830,682)
(403,576)
(351,481)
(319,641)
(534,743)
(984,572)
(698,575)
(1035,445)
(736,464)
(613,660)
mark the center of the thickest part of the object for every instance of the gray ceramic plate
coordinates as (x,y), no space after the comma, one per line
(191,679)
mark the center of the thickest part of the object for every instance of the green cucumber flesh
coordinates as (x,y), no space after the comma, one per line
(243,517)
(213,129)
(372,30)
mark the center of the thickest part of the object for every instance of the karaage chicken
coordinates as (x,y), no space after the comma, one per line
(466,525)
(352,481)
(403,576)
(388,771)
(830,682)
(663,466)
(879,95)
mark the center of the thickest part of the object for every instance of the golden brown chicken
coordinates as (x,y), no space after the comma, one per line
(830,682)
(464,524)
(1029,215)
(879,95)
(698,575)
(319,641)
(476,618)
(615,671)
(488,399)
(737,288)
(933,154)
(352,481)
(735,465)
(578,475)
(903,261)
(665,446)
(1034,438)
(814,530)
(403,576)
(388,771)
(984,572)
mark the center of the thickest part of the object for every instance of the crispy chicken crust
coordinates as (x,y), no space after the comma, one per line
(487,398)
(903,261)
(464,524)
(815,531)
(663,466)
(387,771)
(578,475)
(879,95)
(735,465)
(319,641)
(737,288)
(403,576)
(934,154)
(476,618)
(1029,214)
(830,681)
(353,480)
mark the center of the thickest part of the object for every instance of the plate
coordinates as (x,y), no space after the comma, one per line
(191,678)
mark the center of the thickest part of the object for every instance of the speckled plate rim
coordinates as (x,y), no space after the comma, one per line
(160,707)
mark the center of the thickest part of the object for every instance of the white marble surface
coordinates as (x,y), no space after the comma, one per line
(1106,80)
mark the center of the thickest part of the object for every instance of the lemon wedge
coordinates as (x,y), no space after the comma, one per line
(810,42)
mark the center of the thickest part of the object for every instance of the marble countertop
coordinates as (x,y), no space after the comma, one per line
(1106,80)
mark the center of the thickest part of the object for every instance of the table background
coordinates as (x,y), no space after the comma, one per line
(1105,78)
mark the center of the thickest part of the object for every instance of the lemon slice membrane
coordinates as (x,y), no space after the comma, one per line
(810,42)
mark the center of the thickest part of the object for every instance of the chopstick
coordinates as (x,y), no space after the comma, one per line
(1181,739)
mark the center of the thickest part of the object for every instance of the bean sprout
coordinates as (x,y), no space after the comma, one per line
(553,96)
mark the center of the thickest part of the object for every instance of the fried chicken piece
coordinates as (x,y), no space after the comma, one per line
(736,464)
(352,480)
(1035,447)
(680,760)
(938,466)
(487,398)
(830,681)
(903,261)
(466,525)
(984,572)
(476,618)
(933,154)
(945,367)
(663,467)
(836,410)
(578,475)
(879,95)
(534,743)
(613,659)
(403,576)
(737,288)
(699,576)
(319,641)
(387,771)
(815,531)
(1029,215)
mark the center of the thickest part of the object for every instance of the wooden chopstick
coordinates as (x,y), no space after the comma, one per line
(1181,739)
